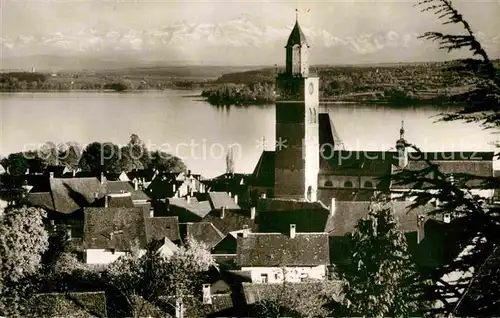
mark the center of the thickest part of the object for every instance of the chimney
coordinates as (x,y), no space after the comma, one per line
(420,228)
(111,236)
(74,173)
(151,213)
(207,295)
(102,177)
(28,171)
(191,192)
(222,212)
(188,199)
(51,175)
(174,188)
(262,195)
(332,207)
(230,194)
(136,185)
(252,213)
(96,195)
(68,232)
(292,231)
(236,198)
(189,173)
(105,201)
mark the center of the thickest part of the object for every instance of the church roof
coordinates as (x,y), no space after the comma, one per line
(263,174)
(297,36)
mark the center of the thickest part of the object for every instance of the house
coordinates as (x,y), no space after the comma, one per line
(137,196)
(67,198)
(275,257)
(112,232)
(165,231)
(2,170)
(230,220)
(276,216)
(169,185)
(203,232)
(187,209)
(72,304)
(54,171)
(143,176)
(235,183)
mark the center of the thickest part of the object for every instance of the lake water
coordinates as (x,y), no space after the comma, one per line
(181,123)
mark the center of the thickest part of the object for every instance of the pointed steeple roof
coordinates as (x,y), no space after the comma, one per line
(297,36)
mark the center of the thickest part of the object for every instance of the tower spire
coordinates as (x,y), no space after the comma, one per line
(402,130)
(296,15)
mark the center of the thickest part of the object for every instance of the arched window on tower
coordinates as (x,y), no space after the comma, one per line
(315,117)
(348,184)
(368,184)
(328,183)
(311,118)
(309,193)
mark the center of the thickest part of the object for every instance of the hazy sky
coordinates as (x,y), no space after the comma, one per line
(232,31)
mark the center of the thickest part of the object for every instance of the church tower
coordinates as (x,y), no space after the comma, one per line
(297,133)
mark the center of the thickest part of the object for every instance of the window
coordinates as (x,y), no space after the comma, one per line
(263,278)
(314,116)
(309,193)
(328,183)
(348,184)
(368,184)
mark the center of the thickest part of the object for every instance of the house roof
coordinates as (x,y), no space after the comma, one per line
(157,228)
(124,186)
(198,208)
(41,199)
(233,220)
(296,36)
(80,304)
(127,224)
(2,169)
(276,249)
(120,202)
(347,214)
(355,163)
(276,215)
(203,232)
(218,200)
(168,247)
(263,175)
(70,195)
(257,292)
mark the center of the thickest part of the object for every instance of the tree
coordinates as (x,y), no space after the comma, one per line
(163,161)
(17,163)
(49,154)
(70,154)
(476,219)
(135,155)
(381,279)
(23,239)
(101,157)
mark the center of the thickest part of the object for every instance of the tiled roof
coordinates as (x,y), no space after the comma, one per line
(275,215)
(158,228)
(354,163)
(200,209)
(258,292)
(41,199)
(233,220)
(124,186)
(263,175)
(127,224)
(275,249)
(222,199)
(168,247)
(202,232)
(347,214)
(70,195)
(81,304)
(120,202)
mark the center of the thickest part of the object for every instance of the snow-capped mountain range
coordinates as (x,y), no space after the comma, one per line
(235,42)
